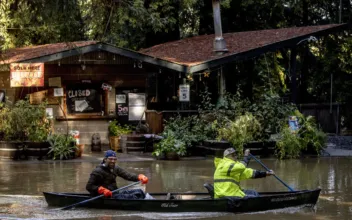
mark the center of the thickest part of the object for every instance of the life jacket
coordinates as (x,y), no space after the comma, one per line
(227,177)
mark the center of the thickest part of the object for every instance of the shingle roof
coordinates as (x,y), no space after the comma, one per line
(196,50)
(25,53)
(187,55)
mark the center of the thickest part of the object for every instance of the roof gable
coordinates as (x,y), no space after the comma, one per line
(196,53)
(32,52)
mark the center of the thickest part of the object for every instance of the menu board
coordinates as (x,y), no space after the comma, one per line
(83,98)
(136,104)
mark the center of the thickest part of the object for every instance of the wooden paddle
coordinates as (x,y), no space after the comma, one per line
(269,171)
(97,197)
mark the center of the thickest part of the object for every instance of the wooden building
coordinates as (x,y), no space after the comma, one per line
(90,83)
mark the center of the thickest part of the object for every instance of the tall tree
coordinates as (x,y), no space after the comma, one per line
(27,22)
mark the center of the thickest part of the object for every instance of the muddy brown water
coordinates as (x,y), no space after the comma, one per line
(22,184)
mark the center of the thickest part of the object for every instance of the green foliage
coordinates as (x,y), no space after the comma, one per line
(189,130)
(271,113)
(61,146)
(308,138)
(243,129)
(168,144)
(205,100)
(312,136)
(115,129)
(126,23)
(23,23)
(289,145)
(24,122)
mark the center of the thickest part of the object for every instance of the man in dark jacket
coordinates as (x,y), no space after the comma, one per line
(103,179)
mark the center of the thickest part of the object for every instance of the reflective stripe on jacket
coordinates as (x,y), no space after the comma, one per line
(227,177)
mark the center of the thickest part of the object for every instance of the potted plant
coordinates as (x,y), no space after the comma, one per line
(240,131)
(115,132)
(8,149)
(170,147)
(62,146)
(26,126)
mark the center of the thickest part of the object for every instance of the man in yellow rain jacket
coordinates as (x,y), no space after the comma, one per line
(229,172)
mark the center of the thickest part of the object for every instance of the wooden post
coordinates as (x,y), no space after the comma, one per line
(106,102)
(293,75)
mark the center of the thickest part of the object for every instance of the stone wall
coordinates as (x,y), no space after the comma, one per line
(86,127)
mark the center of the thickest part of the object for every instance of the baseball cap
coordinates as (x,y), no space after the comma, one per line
(229,151)
(110,153)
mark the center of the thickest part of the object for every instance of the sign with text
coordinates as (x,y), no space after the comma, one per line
(83,98)
(27,74)
(122,110)
(58,92)
(184,93)
(120,98)
(136,99)
(49,113)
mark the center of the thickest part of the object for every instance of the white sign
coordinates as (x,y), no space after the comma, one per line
(81,105)
(184,93)
(136,113)
(49,113)
(136,99)
(58,92)
(120,99)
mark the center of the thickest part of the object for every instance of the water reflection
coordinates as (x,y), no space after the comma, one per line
(27,181)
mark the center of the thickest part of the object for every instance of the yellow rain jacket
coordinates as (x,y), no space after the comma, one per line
(227,177)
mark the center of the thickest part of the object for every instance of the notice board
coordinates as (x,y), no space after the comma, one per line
(83,98)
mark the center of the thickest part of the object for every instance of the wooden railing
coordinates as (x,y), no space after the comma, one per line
(156,119)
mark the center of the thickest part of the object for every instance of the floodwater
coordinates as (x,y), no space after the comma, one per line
(22,184)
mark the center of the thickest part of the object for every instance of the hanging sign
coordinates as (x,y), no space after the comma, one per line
(184,93)
(27,74)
